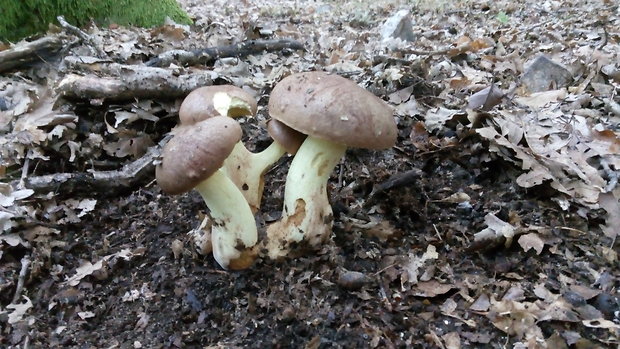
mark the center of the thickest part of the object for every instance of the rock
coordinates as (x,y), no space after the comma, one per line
(545,75)
(352,280)
(398,26)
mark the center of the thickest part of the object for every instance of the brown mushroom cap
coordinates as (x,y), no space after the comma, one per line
(195,153)
(287,137)
(198,105)
(333,108)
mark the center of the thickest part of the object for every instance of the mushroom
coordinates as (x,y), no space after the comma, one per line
(192,160)
(335,113)
(244,168)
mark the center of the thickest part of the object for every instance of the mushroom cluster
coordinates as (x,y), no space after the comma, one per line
(244,168)
(314,116)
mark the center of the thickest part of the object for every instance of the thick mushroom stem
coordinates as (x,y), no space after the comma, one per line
(247,169)
(307,215)
(234,229)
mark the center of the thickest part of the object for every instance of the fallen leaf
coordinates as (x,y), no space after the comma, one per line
(19,310)
(452,340)
(436,118)
(531,241)
(496,228)
(601,323)
(486,98)
(482,303)
(611,205)
(431,288)
(414,263)
(86,315)
(539,100)
(89,268)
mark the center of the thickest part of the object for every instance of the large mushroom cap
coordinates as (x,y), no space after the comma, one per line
(209,101)
(195,153)
(333,108)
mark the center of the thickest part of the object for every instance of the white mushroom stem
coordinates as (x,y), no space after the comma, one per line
(307,215)
(247,169)
(234,229)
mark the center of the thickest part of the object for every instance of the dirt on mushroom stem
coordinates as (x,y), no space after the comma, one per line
(306,204)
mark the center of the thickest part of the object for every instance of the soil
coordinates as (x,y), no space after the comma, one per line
(369,286)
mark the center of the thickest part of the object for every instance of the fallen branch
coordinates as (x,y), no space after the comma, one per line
(82,35)
(129,82)
(208,55)
(396,181)
(21,279)
(105,182)
(27,52)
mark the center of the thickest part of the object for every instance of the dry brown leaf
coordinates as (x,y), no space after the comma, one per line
(437,117)
(496,228)
(515,318)
(539,100)
(601,323)
(89,268)
(19,310)
(452,340)
(610,203)
(482,303)
(531,241)
(414,263)
(486,98)
(431,288)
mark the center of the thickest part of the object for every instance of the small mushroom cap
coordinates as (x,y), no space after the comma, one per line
(287,137)
(195,153)
(333,108)
(209,101)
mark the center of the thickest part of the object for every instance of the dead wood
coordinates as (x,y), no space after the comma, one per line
(208,55)
(107,183)
(396,181)
(82,35)
(27,52)
(128,82)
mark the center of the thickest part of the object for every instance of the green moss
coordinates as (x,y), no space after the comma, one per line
(26,17)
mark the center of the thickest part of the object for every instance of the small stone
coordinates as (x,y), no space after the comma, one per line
(545,75)
(352,280)
(177,248)
(398,26)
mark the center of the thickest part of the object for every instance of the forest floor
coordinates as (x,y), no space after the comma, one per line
(491,224)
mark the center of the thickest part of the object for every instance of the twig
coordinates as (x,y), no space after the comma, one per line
(82,35)
(384,296)
(605,38)
(384,269)
(21,279)
(432,53)
(437,232)
(573,230)
(397,180)
(25,168)
(207,55)
(105,182)
(27,52)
